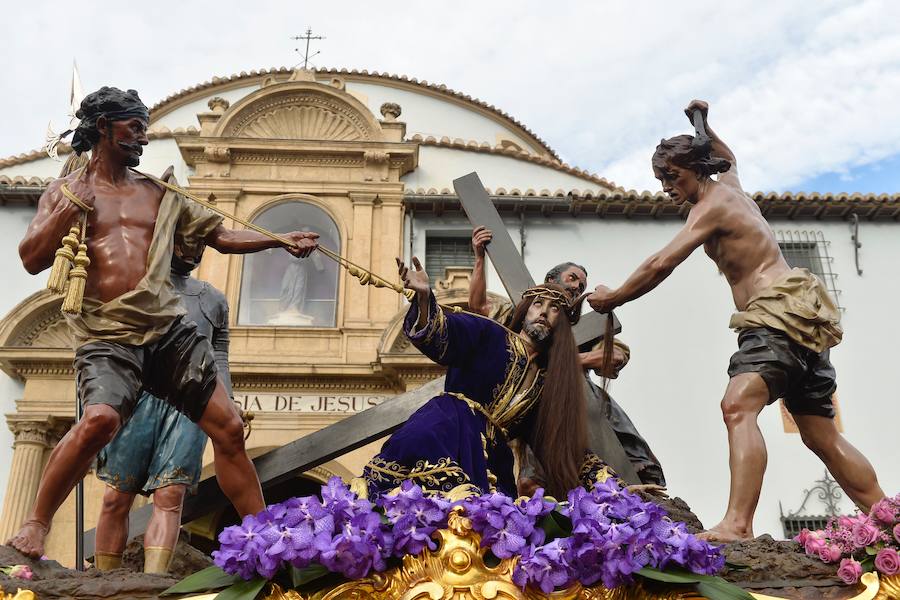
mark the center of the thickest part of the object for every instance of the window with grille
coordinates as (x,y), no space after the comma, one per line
(447,249)
(792,526)
(809,250)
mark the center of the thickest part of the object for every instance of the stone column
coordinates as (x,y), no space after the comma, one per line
(359,248)
(33,438)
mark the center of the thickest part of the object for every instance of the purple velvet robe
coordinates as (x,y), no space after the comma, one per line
(458,440)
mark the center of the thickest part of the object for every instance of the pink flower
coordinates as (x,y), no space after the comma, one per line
(897,532)
(865,533)
(850,571)
(815,541)
(21,571)
(887,561)
(830,553)
(802,536)
(883,511)
(846,522)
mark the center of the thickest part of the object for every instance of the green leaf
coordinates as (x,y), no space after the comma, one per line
(670,576)
(555,526)
(871,551)
(868,564)
(714,588)
(303,576)
(245,590)
(211,578)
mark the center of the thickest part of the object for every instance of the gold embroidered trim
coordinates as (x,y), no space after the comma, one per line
(440,477)
(492,421)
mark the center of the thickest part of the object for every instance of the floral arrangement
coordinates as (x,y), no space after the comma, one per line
(861,543)
(606,534)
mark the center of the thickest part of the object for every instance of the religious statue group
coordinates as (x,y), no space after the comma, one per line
(518,410)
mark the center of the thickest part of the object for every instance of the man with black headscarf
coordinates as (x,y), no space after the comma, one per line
(130,335)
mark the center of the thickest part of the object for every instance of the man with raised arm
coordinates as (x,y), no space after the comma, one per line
(786,323)
(600,405)
(130,335)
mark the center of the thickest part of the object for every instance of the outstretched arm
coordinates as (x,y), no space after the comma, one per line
(478,301)
(719,148)
(701,226)
(245,241)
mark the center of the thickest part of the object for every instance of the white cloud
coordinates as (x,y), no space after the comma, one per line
(797,89)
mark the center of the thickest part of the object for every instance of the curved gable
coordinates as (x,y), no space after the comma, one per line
(300,110)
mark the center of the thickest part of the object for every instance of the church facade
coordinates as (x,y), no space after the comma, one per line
(367,161)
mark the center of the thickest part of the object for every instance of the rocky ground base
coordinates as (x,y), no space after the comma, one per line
(764,565)
(52,581)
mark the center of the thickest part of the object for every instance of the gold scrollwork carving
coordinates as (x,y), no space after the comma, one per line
(457,571)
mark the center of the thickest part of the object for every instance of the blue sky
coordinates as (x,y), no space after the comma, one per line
(805,93)
(880,177)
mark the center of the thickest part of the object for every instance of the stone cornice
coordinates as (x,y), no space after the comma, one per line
(649,205)
(517,154)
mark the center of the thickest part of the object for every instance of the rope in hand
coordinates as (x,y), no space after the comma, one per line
(364,276)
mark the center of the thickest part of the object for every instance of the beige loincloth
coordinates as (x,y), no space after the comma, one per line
(799,305)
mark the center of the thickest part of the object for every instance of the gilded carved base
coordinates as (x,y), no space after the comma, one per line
(457,571)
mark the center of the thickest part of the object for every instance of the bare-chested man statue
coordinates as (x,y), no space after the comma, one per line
(786,323)
(130,335)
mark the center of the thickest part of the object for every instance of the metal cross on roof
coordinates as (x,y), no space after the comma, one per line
(307,37)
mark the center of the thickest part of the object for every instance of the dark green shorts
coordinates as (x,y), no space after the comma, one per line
(179,368)
(804,378)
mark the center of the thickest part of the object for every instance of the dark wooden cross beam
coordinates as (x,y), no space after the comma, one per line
(506,259)
(299,456)
(516,279)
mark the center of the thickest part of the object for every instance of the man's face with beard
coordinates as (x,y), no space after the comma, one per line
(128,140)
(540,320)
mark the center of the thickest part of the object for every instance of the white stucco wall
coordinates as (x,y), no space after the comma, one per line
(158,155)
(438,167)
(681,344)
(186,116)
(430,115)
(17,285)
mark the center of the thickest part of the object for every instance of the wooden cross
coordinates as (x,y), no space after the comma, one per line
(516,279)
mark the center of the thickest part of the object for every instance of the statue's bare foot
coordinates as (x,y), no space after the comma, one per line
(30,539)
(725,534)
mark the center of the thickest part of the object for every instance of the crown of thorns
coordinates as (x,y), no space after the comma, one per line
(554,296)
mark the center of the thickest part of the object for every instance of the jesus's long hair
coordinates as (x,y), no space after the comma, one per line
(559,439)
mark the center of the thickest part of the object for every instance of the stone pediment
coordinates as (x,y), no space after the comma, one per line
(301,118)
(36,322)
(35,339)
(300,110)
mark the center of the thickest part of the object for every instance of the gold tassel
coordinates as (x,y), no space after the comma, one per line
(62,263)
(77,276)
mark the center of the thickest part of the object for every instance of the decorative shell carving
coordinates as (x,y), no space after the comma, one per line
(303,122)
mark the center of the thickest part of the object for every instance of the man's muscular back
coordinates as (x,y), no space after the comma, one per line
(743,245)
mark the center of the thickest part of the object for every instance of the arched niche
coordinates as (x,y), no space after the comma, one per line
(280,290)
